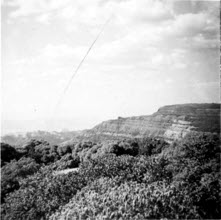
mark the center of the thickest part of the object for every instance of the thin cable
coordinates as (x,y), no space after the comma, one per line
(79,65)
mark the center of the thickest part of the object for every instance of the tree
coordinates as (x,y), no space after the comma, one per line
(13,172)
(8,153)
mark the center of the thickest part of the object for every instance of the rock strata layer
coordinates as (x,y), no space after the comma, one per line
(169,122)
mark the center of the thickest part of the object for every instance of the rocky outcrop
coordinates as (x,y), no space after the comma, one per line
(170,122)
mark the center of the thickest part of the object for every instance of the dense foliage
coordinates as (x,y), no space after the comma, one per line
(107,199)
(131,179)
(8,153)
(197,165)
(13,173)
(41,194)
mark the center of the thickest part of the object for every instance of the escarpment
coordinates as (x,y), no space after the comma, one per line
(169,122)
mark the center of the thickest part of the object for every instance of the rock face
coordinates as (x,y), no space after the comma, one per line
(170,122)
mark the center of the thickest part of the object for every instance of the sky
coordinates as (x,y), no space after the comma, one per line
(151,53)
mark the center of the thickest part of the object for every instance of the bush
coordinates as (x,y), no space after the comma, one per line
(41,194)
(62,150)
(156,180)
(67,161)
(125,167)
(201,147)
(8,153)
(41,152)
(84,150)
(195,161)
(106,199)
(125,147)
(149,146)
(13,172)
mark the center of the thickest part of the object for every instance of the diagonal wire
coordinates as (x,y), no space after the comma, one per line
(79,65)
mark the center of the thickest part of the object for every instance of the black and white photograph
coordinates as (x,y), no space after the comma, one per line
(110,109)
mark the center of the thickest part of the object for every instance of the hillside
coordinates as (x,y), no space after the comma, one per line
(131,179)
(51,137)
(141,178)
(169,122)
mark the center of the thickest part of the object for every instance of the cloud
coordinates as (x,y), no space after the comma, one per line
(179,20)
(205,84)
(145,32)
(44,18)
(148,46)
(192,31)
(91,12)
(54,51)
(189,24)
(141,11)
(33,7)
(52,54)
(200,42)
(26,8)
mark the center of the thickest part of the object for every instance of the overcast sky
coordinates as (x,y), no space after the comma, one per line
(151,53)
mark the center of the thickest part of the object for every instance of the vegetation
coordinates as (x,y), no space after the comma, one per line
(41,194)
(8,153)
(131,179)
(106,199)
(13,173)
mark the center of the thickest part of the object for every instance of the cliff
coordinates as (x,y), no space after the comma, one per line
(169,122)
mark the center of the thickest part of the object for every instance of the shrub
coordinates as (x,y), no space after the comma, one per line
(139,169)
(41,194)
(8,153)
(62,150)
(195,161)
(156,180)
(41,151)
(67,161)
(125,147)
(126,167)
(149,146)
(106,199)
(201,147)
(83,150)
(13,172)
